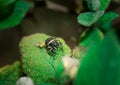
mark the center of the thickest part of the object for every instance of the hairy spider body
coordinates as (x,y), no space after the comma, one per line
(52,44)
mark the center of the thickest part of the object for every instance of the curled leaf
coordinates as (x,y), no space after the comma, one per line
(19,11)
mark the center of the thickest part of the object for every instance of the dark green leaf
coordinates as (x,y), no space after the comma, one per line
(6,11)
(6,2)
(105,21)
(104,4)
(16,17)
(107,17)
(106,26)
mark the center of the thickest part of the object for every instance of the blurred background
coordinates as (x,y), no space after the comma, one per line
(57,18)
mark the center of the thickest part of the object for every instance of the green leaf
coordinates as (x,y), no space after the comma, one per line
(107,17)
(106,26)
(20,9)
(88,39)
(94,5)
(104,4)
(5,11)
(89,18)
(105,21)
(101,65)
(10,74)
(91,37)
(37,63)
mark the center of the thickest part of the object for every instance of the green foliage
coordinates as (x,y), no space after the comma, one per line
(106,26)
(37,63)
(99,53)
(6,2)
(104,4)
(93,5)
(100,65)
(88,39)
(19,9)
(97,8)
(10,74)
(105,21)
(108,17)
(88,18)
(91,37)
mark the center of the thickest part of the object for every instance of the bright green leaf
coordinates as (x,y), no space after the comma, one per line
(88,39)
(88,18)
(16,17)
(101,64)
(91,37)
